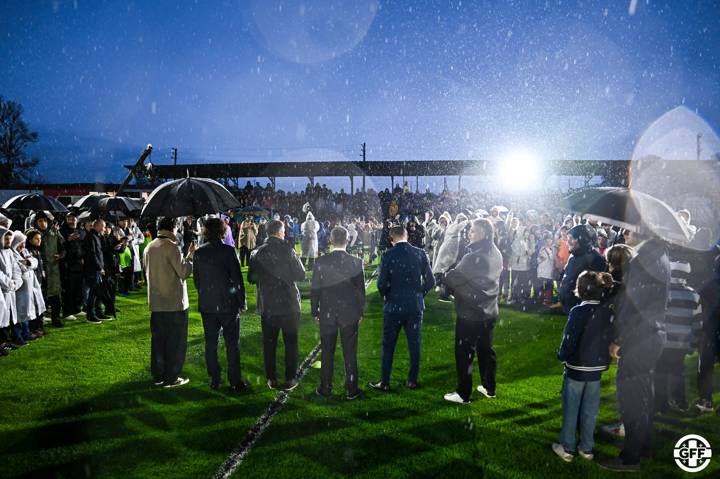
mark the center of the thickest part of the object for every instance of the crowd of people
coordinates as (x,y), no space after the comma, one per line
(627,296)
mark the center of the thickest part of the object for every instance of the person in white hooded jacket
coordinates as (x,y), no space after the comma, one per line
(10,282)
(28,299)
(309,245)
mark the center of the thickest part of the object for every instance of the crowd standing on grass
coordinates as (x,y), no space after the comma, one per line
(628,297)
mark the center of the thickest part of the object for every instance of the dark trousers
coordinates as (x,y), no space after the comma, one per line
(636,396)
(169,344)
(109,300)
(126,280)
(93,302)
(328,342)
(670,379)
(271,327)
(244,256)
(521,286)
(72,292)
(392,324)
(474,336)
(709,353)
(55,305)
(230,324)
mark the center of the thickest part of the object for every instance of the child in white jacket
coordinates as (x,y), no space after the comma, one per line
(28,299)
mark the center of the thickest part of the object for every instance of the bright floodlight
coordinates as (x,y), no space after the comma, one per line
(519,170)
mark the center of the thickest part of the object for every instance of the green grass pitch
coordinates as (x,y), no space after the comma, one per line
(80,403)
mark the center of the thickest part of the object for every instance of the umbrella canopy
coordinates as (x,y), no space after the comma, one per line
(482,212)
(35,201)
(88,201)
(501,209)
(189,196)
(116,206)
(254,210)
(632,210)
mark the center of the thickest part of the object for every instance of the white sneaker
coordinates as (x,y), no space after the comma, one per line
(178,382)
(589,456)
(70,318)
(561,452)
(484,392)
(455,397)
(81,313)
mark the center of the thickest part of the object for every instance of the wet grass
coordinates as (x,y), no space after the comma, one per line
(79,403)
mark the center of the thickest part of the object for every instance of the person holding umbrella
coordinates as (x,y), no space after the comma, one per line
(638,344)
(167,271)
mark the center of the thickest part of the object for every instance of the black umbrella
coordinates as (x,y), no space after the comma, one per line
(35,201)
(189,196)
(632,210)
(117,206)
(254,210)
(88,201)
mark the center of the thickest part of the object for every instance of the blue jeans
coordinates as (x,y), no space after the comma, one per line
(392,325)
(581,401)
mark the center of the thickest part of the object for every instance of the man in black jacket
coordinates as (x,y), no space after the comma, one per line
(583,257)
(639,341)
(221,297)
(475,283)
(337,302)
(275,268)
(94,270)
(71,267)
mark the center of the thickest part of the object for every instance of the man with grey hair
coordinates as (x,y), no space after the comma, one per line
(337,302)
(475,283)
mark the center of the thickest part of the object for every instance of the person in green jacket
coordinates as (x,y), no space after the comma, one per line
(126,265)
(52,251)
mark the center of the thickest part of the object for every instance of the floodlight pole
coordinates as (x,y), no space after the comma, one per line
(134,169)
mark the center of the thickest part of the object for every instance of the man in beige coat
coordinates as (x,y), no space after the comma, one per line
(166,271)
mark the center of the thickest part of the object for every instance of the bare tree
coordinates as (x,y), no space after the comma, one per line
(15,135)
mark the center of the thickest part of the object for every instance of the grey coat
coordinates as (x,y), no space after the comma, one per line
(475,281)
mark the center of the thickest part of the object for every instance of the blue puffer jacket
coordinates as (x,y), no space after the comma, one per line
(587,337)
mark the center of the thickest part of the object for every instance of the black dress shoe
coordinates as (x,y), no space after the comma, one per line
(323,393)
(241,387)
(57,323)
(355,395)
(379,386)
(214,384)
(411,385)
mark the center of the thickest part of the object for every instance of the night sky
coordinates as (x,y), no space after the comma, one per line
(265,80)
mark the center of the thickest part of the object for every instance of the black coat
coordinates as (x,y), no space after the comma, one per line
(475,281)
(94,259)
(275,268)
(590,260)
(643,302)
(73,250)
(217,276)
(338,289)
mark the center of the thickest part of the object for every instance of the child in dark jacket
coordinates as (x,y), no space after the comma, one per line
(584,352)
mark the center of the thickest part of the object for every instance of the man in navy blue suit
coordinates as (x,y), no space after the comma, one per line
(404,280)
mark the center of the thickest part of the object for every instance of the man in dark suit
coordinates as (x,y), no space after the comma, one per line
(405,278)
(275,268)
(639,340)
(475,282)
(337,302)
(221,297)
